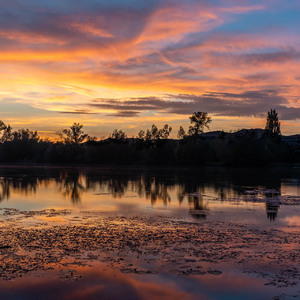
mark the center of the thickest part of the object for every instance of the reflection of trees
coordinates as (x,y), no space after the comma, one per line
(117,187)
(72,186)
(155,185)
(158,191)
(155,189)
(23,185)
(198,209)
(272,204)
(272,210)
(5,189)
(189,186)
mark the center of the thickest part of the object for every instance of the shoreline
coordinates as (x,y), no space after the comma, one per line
(149,245)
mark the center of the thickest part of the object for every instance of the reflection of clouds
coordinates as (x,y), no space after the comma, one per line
(127,207)
(92,285)
(292,221)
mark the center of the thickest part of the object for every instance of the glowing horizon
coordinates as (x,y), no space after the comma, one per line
(129,64)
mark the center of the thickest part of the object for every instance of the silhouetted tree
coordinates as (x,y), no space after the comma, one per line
(153,133)
(74,134)
(200,120)
(118,135)
(156,134)
(25,135)
(91,138)
(2,125)
(164,132)
(151,147)
(6,131)
(272,128)
(141,134)
(181,133)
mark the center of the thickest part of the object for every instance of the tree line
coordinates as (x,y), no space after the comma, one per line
(152,146)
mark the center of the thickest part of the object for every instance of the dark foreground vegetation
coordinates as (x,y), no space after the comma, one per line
(241,148)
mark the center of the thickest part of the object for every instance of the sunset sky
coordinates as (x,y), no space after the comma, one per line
(127,64)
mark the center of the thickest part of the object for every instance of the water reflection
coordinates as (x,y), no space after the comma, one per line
(5,189)
(196,187)
(100,283)
(115,186)
(272,204)
(272,210)
(72,186)
(198,209)
(23,185)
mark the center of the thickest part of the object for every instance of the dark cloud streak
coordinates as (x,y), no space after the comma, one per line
(78,112)
(250,103)
(125,114)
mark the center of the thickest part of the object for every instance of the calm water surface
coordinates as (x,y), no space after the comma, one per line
(243,195)
(253,197)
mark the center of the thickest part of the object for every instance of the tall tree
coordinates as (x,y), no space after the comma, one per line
(6,131)
(272,128)
(141,135)
(181,133)
(199,120)
(119,135)
(25,135)
(156,134)
(74,134)
(165,132)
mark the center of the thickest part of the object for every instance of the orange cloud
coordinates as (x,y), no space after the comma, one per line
(58,60)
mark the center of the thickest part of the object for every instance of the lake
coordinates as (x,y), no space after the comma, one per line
(193,233)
